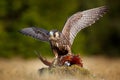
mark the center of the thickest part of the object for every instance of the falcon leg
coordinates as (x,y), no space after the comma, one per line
(55,61)
(69,50)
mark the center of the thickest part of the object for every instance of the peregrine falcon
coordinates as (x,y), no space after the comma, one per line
(61,42)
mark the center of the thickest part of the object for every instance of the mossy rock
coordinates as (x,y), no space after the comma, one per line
(72,72)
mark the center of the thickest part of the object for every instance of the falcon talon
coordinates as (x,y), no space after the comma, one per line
(61,42)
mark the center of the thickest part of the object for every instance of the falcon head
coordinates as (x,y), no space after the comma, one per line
(54,35)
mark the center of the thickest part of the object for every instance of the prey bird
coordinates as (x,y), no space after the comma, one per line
(61,42)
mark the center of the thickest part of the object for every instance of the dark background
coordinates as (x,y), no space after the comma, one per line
(102,38)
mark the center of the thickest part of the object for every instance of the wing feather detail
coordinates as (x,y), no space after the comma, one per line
(37,33)
(81,20)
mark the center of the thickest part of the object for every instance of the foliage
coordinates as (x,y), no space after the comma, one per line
(102,38)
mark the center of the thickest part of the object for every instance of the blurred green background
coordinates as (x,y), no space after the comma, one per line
(102,38)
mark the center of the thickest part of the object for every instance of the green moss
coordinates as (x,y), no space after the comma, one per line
(73,70)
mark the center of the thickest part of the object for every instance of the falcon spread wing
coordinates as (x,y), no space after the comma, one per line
(81,20)
(37,33)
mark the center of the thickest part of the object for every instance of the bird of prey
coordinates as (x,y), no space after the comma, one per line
(61,42)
